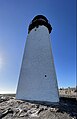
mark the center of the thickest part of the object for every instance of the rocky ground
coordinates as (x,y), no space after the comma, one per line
(10,108)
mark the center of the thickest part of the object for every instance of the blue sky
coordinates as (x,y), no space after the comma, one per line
(15,16)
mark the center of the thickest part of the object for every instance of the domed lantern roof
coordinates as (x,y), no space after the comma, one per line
(39,20)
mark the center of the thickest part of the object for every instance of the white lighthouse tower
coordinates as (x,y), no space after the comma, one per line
(37,80)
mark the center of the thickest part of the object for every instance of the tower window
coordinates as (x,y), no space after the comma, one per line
(45,75)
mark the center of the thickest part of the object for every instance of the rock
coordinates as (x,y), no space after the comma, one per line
(2,99)
(22,114)
(10,108)
(0,114)
(54,109)
(4,113)
(34,114)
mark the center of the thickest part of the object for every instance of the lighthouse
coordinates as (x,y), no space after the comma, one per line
(37,79)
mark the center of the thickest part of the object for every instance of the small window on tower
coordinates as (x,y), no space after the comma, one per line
(35,29)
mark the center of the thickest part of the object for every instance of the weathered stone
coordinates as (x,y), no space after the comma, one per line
(15,109)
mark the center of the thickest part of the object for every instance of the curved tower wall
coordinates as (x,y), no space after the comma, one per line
(37,80)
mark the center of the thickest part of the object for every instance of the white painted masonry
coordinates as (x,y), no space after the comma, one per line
(37,80)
